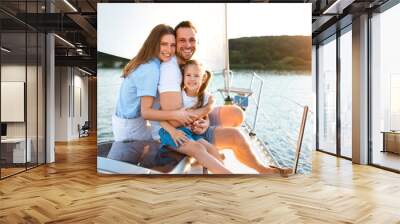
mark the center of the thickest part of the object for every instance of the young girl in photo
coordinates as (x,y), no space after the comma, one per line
(194,95)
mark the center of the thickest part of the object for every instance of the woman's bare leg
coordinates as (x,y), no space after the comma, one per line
(199,152)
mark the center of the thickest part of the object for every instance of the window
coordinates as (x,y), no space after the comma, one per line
(346,94)
(385,87)
(23,75)
(327,96)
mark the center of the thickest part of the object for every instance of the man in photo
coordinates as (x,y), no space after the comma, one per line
(221,130)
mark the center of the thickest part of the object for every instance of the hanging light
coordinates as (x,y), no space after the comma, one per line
(64,40)
(5,50)
(70,5)
(84,71)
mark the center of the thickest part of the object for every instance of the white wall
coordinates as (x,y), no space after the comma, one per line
(61,103)
(79,115)
(70,83)
(82,82)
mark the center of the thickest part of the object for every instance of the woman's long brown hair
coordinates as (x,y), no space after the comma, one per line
(203,87)
(150,48)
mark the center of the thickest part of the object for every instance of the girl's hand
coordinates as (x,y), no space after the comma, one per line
(200,126)
(179,137)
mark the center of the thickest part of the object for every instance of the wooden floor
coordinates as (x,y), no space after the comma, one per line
(10,171)
(388,159)
(70,191)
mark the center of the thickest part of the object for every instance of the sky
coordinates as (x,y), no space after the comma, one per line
(267,19)
(122,27)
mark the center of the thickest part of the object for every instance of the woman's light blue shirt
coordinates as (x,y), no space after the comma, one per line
(143,81)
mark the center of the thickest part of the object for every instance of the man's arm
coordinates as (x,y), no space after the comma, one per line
(149,113)
(206,109)
(169,87)
(172,101)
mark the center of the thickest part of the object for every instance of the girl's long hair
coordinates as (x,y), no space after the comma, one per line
(204,85)
(150,48)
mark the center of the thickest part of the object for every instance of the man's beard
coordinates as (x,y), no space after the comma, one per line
(184,58)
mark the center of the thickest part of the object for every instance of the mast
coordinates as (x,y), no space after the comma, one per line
(227,76)
(226,39)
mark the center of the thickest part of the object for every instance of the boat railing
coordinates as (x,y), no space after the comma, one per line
(284,134)
(289,128)
(244,94)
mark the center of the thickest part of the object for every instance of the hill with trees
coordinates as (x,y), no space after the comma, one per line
(271,53)
(268,53)
(105,60)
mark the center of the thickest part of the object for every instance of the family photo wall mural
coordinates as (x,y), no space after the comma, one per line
(221,88)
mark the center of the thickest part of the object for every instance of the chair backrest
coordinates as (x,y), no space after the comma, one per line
(86,125)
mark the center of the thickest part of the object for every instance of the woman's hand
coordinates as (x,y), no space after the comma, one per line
(200,126)
(185,116)
(179,137)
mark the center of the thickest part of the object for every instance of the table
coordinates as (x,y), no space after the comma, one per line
(13,150)
(391,141)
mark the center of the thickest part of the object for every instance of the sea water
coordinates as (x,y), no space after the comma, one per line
(283,96)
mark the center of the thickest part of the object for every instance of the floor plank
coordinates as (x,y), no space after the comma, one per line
(70,191)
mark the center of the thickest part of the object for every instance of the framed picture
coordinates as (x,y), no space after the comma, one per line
(204,88)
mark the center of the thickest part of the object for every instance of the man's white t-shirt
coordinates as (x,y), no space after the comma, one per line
(170,81)
(170,76)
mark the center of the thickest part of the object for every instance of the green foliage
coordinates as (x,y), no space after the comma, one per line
(105,60)
(271,52)
(264,53)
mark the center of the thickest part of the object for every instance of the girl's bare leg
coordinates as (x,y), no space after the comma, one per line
(211,149)
(199,152)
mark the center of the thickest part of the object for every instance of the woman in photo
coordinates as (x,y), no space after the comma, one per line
(138,90)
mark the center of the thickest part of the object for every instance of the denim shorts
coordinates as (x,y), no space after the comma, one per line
(166,139)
